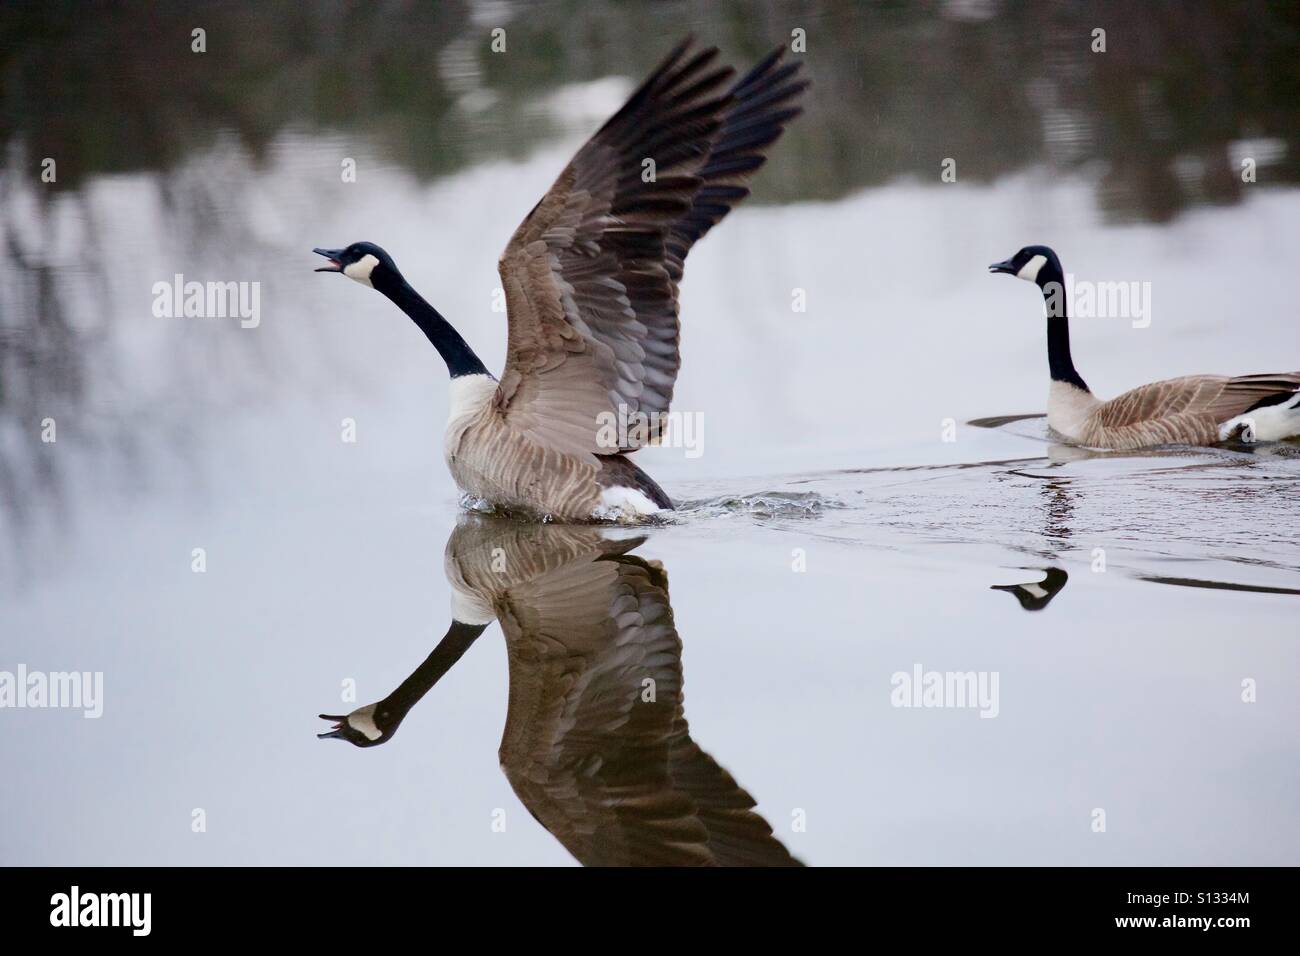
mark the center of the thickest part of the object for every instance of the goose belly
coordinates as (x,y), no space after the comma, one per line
(492,465)
(469,413)
(501,467)
(510,473)
(492,462)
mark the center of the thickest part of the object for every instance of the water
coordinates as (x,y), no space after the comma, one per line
(830,537)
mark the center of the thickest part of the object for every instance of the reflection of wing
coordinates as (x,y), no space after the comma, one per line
(737,835)
(596,743)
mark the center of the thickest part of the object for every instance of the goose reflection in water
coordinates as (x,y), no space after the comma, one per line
(1036,595)
(596,743)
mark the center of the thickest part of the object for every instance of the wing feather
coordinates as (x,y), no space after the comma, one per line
(612,773)
(591,275)
(1215,398)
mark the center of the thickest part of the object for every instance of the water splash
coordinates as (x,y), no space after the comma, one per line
(765,505)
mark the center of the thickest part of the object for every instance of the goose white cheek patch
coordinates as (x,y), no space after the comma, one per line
(1029,271)
(363,721)
(361,269)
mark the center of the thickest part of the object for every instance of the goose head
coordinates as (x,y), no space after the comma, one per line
(1037,264)
(364,262)
(367,726)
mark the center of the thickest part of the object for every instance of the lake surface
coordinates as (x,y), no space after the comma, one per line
(843,524)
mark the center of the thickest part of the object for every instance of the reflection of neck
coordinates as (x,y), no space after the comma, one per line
(1059,362)
(455,351)
(449,650)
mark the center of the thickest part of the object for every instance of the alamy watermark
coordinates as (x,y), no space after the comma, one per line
(73,690)
(208,300)
(627,428)
(1100,300)
(946,689)
(130,910)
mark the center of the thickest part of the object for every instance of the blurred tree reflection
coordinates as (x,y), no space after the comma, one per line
(900,86)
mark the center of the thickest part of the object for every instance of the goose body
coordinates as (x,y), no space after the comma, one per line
(492,462)
(596,743)
(1192,410)
(591,279)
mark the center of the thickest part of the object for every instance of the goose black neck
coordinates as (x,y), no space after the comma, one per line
(1059,362)
(449,650)
(455,351)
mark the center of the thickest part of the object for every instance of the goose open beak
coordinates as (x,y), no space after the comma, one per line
(333,255)
(1003,266)
(337,732)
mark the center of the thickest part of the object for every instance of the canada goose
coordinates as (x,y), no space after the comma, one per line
(596,743)
(1036,595)
(1193,410)
(590,279)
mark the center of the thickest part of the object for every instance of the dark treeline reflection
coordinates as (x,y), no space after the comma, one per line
(995,84)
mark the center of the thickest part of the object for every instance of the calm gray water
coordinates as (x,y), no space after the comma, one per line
(843,523)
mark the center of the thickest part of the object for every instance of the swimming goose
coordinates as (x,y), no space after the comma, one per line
(590,280)
(1193,410)
(596,743)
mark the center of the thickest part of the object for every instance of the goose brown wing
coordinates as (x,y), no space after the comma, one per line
(591,274)
(1215,396)
(596,744)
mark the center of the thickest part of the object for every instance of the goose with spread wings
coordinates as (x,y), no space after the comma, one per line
(596,743)
(591,286)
